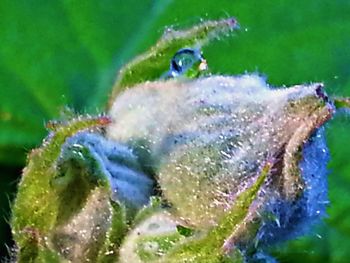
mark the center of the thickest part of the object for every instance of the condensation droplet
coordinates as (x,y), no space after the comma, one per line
(187,61)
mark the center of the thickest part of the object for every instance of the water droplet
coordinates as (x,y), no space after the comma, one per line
(187,61)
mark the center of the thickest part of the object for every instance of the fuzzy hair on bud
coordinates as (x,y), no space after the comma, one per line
(207,139)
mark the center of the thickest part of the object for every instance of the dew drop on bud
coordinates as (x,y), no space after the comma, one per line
(187,61)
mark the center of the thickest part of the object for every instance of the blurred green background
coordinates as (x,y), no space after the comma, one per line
(66,53)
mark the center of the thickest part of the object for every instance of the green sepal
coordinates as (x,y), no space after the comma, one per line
(37,205)
(210,248)
(164,243)
(114,237)
(152,64)
(35,250)
(151,239)
(154,206)
(77,173)
(169,245)
(185,231)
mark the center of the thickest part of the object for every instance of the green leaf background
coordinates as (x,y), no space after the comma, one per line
(67,53)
